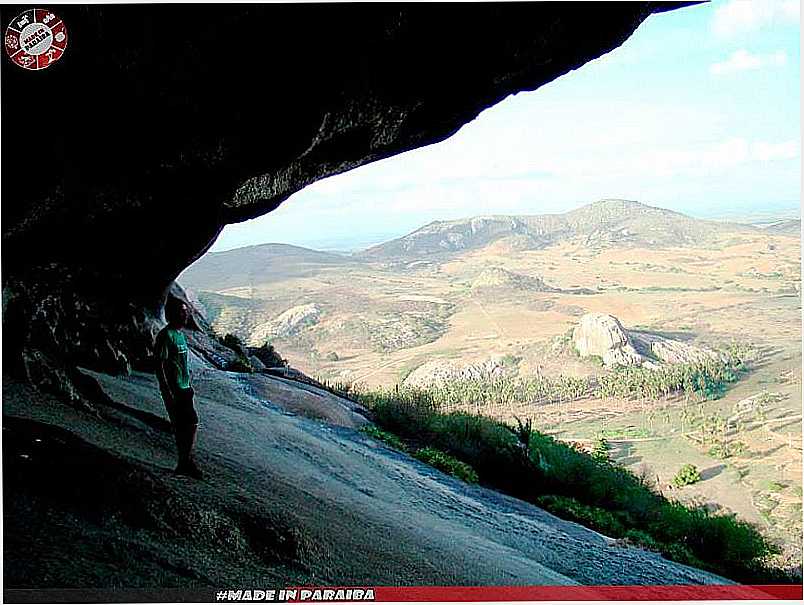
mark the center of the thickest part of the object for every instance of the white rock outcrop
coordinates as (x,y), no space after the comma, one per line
(440,371)
(602,335)
(289,322)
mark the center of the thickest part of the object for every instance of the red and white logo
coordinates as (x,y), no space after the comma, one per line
(36,39)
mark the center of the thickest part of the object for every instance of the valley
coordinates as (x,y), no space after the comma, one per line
(501,294)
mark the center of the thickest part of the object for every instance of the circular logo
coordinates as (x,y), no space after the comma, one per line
(36,39)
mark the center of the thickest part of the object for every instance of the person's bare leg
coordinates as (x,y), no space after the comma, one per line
(192,431)
(179,433)
(185,441)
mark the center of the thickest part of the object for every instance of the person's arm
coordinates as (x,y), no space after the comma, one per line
(165,369)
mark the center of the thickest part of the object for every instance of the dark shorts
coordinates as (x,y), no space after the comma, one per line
(182,409)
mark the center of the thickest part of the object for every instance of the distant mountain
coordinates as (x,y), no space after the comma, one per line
(785,227)
(255,265)
(602,224)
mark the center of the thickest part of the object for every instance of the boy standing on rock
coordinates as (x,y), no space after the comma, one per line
(173,373)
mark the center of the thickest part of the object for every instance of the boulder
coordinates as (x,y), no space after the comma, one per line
(673,351)
(602,335)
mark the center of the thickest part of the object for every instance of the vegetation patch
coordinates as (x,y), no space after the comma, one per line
(384,436)
(447,464)
(268,355)
(591,516)
(727,449)
(241,363)
(687,475)
(628,432)
(600,450)
(701,380)
(590,490)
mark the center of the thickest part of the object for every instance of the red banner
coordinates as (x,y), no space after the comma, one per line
(587,593)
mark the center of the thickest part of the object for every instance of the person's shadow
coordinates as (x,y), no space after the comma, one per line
(90,388)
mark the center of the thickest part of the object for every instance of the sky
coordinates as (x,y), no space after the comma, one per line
(698,111)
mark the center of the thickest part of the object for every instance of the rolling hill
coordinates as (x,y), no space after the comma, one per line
(606,223)
(602,224)
(217,271)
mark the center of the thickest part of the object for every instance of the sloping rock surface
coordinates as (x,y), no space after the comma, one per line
(286,498)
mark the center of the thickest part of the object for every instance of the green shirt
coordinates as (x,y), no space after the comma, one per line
(172,354)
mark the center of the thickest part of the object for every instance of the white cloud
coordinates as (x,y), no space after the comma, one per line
(742,60)
(743,16)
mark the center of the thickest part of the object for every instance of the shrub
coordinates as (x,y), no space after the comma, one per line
(232,341)
(384,436)
(595,360)
(446,463)
(642,539)
(681,554)
(590,516)
(509,361)
(240,364)
(268,355)
(600,450)
(687,475)
(727,450)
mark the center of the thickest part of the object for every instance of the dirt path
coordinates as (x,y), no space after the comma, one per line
(368,514)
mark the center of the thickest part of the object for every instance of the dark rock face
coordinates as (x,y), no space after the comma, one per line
(161,124)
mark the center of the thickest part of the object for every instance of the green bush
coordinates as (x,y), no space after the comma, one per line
(595,360)
(590,516)
(687,475)
(681,554)
(268,355)
(232,341)
(600,450)
(727,450)
(240,364)
(642,539)
(447,464)
(384,436)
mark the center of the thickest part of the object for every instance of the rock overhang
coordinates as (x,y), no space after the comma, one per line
(166,122)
